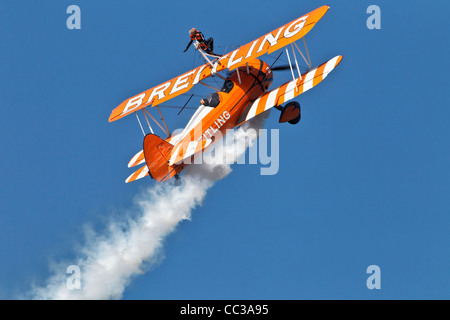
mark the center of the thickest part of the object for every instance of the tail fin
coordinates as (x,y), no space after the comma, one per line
(157,155)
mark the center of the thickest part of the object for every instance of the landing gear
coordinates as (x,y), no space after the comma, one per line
(177,181)
(291,113)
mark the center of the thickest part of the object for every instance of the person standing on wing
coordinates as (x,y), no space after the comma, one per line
(205,45)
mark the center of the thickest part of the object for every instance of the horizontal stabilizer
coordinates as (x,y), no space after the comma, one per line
(137,159)
(187,149)
(138,174)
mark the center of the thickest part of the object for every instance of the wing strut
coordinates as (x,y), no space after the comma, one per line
(143,132)
(307,52)
(309,65)
(296,63)
(148,122)
(205,57)
(153,118)
(203,54)
(290,64)
(164,121)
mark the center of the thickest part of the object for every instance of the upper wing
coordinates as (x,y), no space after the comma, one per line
(276,39)
(161,93)
(290,89)
(268,43)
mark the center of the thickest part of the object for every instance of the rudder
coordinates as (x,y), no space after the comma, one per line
(157,155)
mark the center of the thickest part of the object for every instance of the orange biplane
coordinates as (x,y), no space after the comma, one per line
(244,95)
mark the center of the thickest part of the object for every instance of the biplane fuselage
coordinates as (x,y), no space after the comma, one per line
(248,82)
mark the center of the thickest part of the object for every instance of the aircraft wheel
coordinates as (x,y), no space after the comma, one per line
(291,113)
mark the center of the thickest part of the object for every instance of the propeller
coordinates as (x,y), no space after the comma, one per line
(281,68)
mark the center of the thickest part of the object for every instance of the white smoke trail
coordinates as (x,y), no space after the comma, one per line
(109,262)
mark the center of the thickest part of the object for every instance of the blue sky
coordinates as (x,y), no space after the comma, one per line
(363,178)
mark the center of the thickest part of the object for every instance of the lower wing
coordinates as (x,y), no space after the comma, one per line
(289,90)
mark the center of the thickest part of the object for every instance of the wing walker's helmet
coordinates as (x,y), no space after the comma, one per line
(193,31)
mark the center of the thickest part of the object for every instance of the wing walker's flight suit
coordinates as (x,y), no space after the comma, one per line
(205,45)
